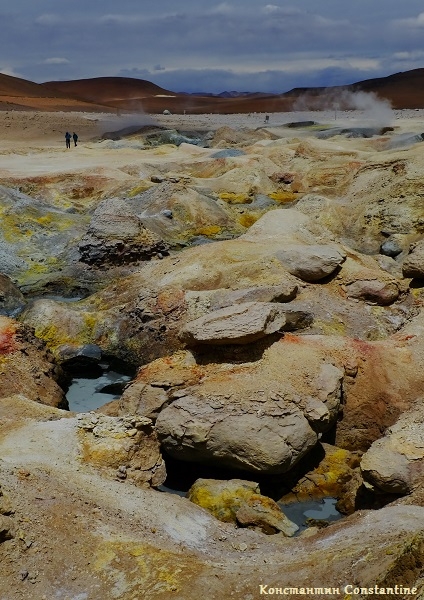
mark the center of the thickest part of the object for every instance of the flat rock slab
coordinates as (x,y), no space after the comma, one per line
(240,324)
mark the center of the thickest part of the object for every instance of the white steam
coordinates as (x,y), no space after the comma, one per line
(377,111)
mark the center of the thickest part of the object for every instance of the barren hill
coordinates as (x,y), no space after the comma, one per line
(403,90)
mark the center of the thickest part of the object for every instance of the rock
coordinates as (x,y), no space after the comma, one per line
(7,528)
(378,292)
(264,514)
(11,299)
(6,507)
(413,265)
(79,358)
(242,324)
(26,366)
(310,262)
(144,400)
(239,501)
(199,429)
(395,463)
(285,292)
(391,247)
(128,447)
(117,235)
(331,477)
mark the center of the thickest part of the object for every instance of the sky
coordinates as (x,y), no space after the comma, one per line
(207,46)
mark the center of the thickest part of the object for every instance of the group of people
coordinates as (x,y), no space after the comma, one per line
(68,138)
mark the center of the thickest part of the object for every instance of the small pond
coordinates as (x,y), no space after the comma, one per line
(88,393)
(318,510)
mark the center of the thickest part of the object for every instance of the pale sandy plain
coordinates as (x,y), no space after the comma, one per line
(33,143)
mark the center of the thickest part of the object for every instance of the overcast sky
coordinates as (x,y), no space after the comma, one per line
(199,45)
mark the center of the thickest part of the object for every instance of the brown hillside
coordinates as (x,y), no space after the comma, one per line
(106,90)
(403,90)
(20,94)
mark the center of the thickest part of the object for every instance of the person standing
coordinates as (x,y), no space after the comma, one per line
(68,139)
(75,138)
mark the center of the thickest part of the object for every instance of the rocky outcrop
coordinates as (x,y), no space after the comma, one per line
(413,265)
(395,463)
(243,323)
(11,299)
(26,366)
(124,448)
(240,502)
(117,236)
(232,415)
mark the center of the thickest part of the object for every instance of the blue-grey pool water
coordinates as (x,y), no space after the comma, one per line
(299,512)
(86,394)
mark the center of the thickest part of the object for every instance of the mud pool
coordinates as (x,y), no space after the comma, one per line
(89,393)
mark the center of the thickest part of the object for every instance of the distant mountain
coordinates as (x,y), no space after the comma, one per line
(403,90)
(108,90)
(14,86)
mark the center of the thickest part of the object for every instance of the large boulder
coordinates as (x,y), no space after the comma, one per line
(311,262)
(257,437)
(232,414)
(116,235)
(395,463)
(242,323)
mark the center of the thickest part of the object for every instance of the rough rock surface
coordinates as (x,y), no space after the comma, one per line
(380,292)
(26,366)
(242,323)
(395,463)
(11,299)
(125,448)
(311,262)
(239,501)
(413,265)
(116,235)
(255,438)
(232,415)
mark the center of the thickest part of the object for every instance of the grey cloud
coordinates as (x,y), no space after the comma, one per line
(238,42)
